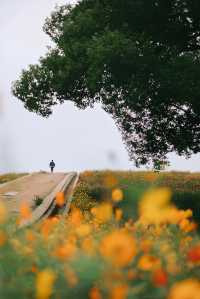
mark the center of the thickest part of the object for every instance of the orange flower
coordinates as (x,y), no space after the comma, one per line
(148,262)
(119,292)
(25,211)
(46,227)
(118,214)
(117,195)
(160,277)
(83,230)
(119,247)
(30,236)
(76,217)
(110,180)
(146,245)
(60,199)
(3,213)
(187,226)
(3,238)
(185,242)
(103,213)
(186,289)
(44,284)
(88,246)
(95,294)
(65,251)
(194,254)
(34,268)
(131,274)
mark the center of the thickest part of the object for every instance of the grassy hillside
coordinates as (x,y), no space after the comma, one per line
(4,178)
(97,186)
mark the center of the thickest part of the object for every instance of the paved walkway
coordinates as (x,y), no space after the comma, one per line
(27,188)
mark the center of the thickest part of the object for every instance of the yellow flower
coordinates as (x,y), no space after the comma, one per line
(103,213)
(157,198)
(155,206)
(117,195)
(83,230)
(119,247)
(186,289)
(44,284)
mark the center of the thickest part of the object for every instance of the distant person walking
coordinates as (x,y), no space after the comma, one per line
(52,165)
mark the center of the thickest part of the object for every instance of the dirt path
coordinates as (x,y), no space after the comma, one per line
(38,184)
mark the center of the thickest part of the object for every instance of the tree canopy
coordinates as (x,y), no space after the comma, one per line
(138,58)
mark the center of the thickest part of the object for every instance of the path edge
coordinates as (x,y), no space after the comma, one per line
(45,209)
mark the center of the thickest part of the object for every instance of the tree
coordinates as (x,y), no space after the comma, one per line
(138,58)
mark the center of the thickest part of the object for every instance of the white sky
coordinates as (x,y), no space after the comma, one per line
(75,139)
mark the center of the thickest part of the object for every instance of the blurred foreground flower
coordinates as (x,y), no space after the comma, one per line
(83,230)
(117,195)
(3,213)
(60,199)
(76,217)
(160,278)
(3,238)
(46,227)
(25,211)
(44,284)
(118,214)
(119,292)
(155,208)
(66,250)
(71,277)
(194,254)
(148,262)
(118,247)
(186,289)
(95,294)
(103,213)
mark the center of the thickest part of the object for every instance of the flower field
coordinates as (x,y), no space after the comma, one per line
(124,239)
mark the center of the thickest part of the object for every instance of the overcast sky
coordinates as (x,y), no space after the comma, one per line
(75,139)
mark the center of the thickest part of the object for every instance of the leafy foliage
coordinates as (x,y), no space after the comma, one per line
(138,58)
